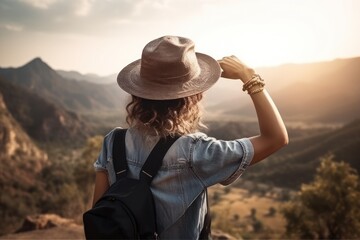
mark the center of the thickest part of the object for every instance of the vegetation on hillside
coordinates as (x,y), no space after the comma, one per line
(296,164)
(73,181)
(64,186)
(328,207)
(20,162)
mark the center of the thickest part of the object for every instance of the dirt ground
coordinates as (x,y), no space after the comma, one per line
(66,232)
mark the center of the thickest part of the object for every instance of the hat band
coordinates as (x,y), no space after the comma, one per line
(194,73)
(182,78)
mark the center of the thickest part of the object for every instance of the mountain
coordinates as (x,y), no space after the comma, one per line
(296,163)
(325,92)
(79,96)
(16,145)
(87,77)
(20,163)
(41,119)
(330,95)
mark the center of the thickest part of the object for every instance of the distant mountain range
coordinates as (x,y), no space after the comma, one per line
(329,94)
(87,77)
(80,96)
(325,92)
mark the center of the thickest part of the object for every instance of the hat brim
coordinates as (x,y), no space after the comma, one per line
(130,81)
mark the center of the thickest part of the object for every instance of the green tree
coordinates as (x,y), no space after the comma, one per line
(84,173)
(271,212)
(216,197)
(253,213)
(329,207)
(258,226)
(227,190)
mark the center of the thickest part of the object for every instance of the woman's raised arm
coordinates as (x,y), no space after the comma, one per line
(273,134)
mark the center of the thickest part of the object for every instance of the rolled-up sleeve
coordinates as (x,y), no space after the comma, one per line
(216,161)
(101,162)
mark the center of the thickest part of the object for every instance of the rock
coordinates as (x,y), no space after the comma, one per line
(219,235)
(44,221)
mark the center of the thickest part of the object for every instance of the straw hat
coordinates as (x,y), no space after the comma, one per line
(169,68)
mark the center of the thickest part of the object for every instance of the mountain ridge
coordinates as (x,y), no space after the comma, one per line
(90,77)
(322,92)
(81,96)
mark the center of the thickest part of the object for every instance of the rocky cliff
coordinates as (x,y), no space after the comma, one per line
(41,119)
(20,163)
(16,146)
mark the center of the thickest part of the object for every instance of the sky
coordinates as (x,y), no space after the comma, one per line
(102,36)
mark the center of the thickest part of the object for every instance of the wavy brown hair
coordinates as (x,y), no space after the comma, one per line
(165,117)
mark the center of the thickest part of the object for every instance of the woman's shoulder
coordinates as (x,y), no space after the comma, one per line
(201,137)
(110,134)
(196,135)
(109,137)
(191,137)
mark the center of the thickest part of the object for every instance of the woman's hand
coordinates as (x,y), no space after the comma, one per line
(273,134)
(233,68)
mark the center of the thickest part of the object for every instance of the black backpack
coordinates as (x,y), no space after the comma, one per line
(127,210)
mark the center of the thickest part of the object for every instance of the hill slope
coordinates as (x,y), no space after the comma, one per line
(20,163)
(42,120)
(296,163)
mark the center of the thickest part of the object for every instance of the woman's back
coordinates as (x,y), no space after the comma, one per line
(193,163)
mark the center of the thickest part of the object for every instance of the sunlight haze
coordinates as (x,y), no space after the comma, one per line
(93,36)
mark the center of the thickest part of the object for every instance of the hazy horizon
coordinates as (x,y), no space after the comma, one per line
(110,74)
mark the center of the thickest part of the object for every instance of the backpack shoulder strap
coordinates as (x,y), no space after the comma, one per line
(119,154)
(155,158)
(206,230)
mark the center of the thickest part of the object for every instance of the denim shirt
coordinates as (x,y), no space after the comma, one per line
(193,163)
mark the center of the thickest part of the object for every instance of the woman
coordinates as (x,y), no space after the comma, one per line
(166,85)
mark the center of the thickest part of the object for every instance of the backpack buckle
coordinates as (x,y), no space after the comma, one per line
(120,172)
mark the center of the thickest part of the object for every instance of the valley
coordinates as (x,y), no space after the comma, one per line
(52,125)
